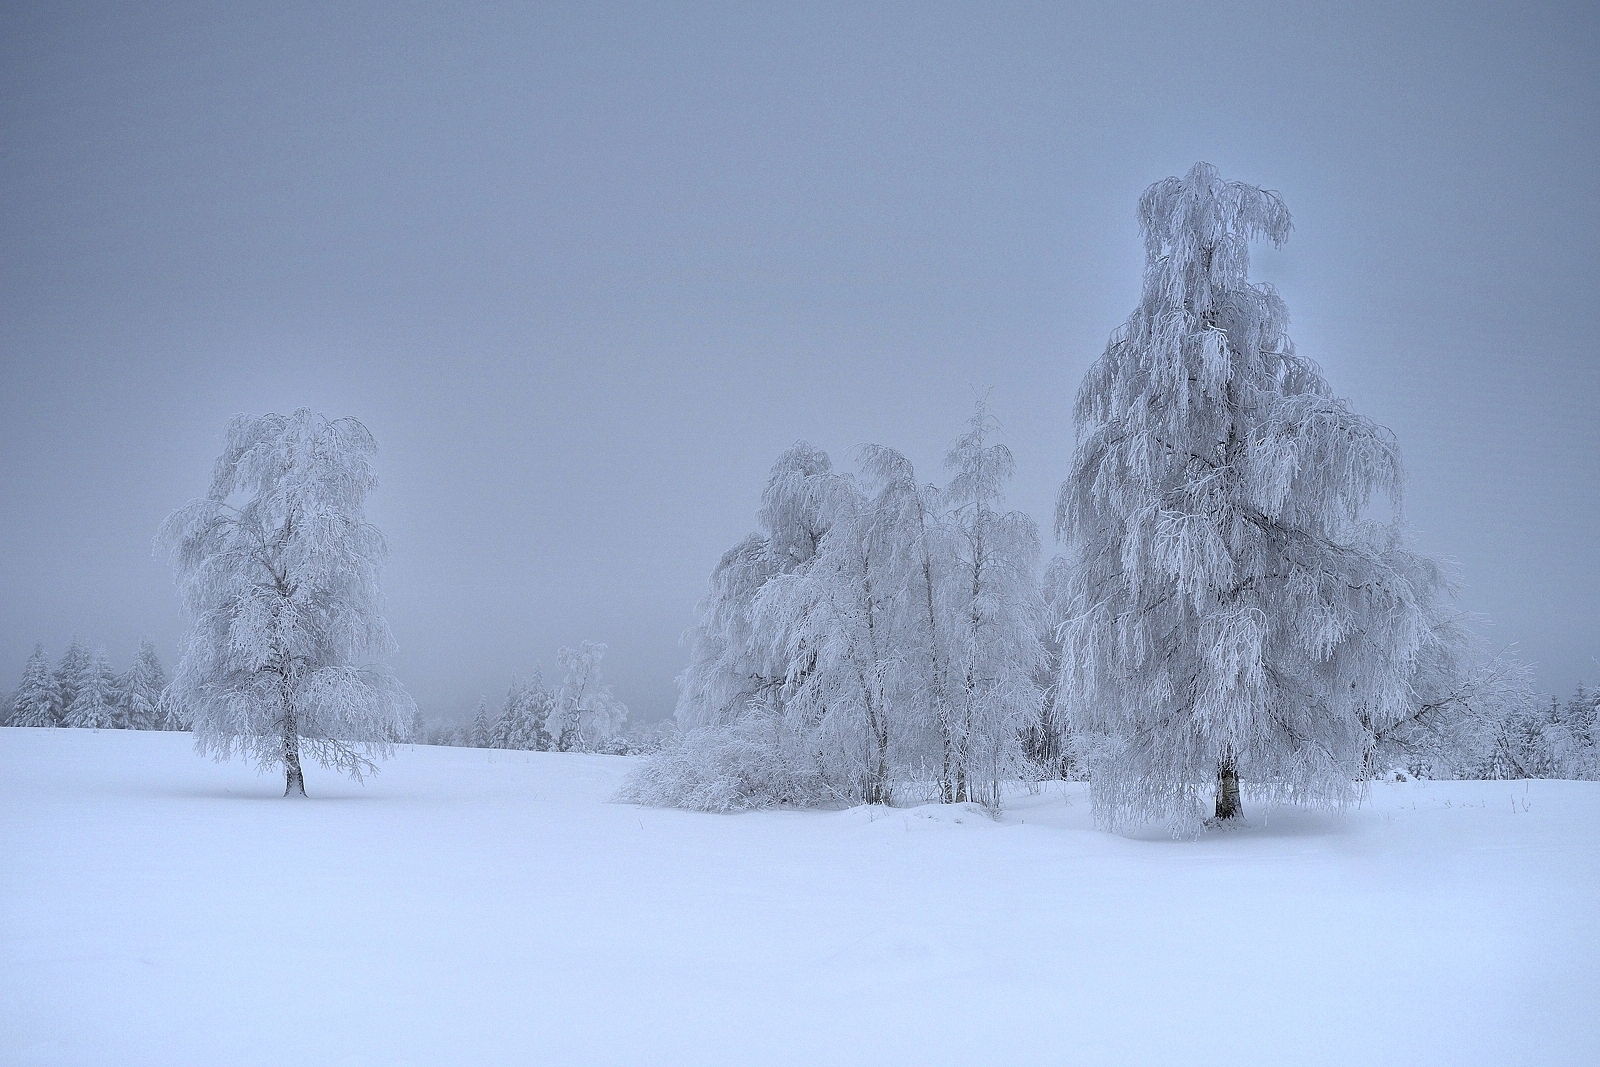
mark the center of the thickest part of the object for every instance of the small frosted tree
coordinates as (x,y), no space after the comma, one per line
(37,701)
(139,691)
(1236,618)
(279,569)
(522,723)
(586,716)
(1462,693)
(94,707)
(478,732)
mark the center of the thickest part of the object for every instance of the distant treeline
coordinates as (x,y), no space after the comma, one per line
(83,691)
(579,715)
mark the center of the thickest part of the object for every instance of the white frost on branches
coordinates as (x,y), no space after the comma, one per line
(279,569)
(37,701)
(877,637)
(585,716)
(1237,619)
(94,704)
(139,692)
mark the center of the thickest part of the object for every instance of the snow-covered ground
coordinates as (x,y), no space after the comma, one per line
(473,907)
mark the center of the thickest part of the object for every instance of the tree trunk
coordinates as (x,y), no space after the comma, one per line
(294,782)
(1228,791)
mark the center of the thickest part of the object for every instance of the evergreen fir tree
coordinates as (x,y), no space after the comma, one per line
(139,692)
(95,705)
(69,673)
(479,737)
(37,701)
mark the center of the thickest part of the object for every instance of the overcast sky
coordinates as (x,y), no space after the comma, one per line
(585,270)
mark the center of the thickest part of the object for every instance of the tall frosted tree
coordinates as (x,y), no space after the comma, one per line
(69,672)
(279,569)
(94,705)
(37,701)
(996,615)
(139,691)
(1238,624)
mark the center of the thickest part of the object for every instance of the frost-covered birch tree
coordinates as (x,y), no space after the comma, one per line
(1238,623)
(586,716)
(729,668)
(995,616)
(879,638)
(278,567)
(37,701)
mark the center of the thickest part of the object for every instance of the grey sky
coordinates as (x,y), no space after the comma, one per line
(584,272)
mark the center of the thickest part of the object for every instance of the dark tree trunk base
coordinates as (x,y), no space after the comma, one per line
(294,781)
(1228,807)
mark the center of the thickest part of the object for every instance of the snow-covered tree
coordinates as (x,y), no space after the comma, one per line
(139,691)
(94,707)
(283,588)
(1236,617)
(37,701)
(729,669)
(833,624)
(996,612)
(585,716)
(878,635)
(1047,743)
(1546,739)
(1461,693)
(69,673)
(523,720)
(478,733)
(1580,721)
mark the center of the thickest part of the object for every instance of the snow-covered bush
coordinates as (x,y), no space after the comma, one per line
(758,761)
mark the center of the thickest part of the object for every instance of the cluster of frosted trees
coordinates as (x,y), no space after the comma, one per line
(879,639)
(579,715)
(1239,613)
(83,691)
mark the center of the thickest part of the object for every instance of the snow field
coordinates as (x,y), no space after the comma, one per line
(486,907)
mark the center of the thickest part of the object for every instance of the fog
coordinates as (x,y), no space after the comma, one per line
(585,273)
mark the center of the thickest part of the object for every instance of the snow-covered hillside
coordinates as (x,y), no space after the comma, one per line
(477,907)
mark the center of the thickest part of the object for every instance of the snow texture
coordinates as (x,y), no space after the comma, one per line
(488,907)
